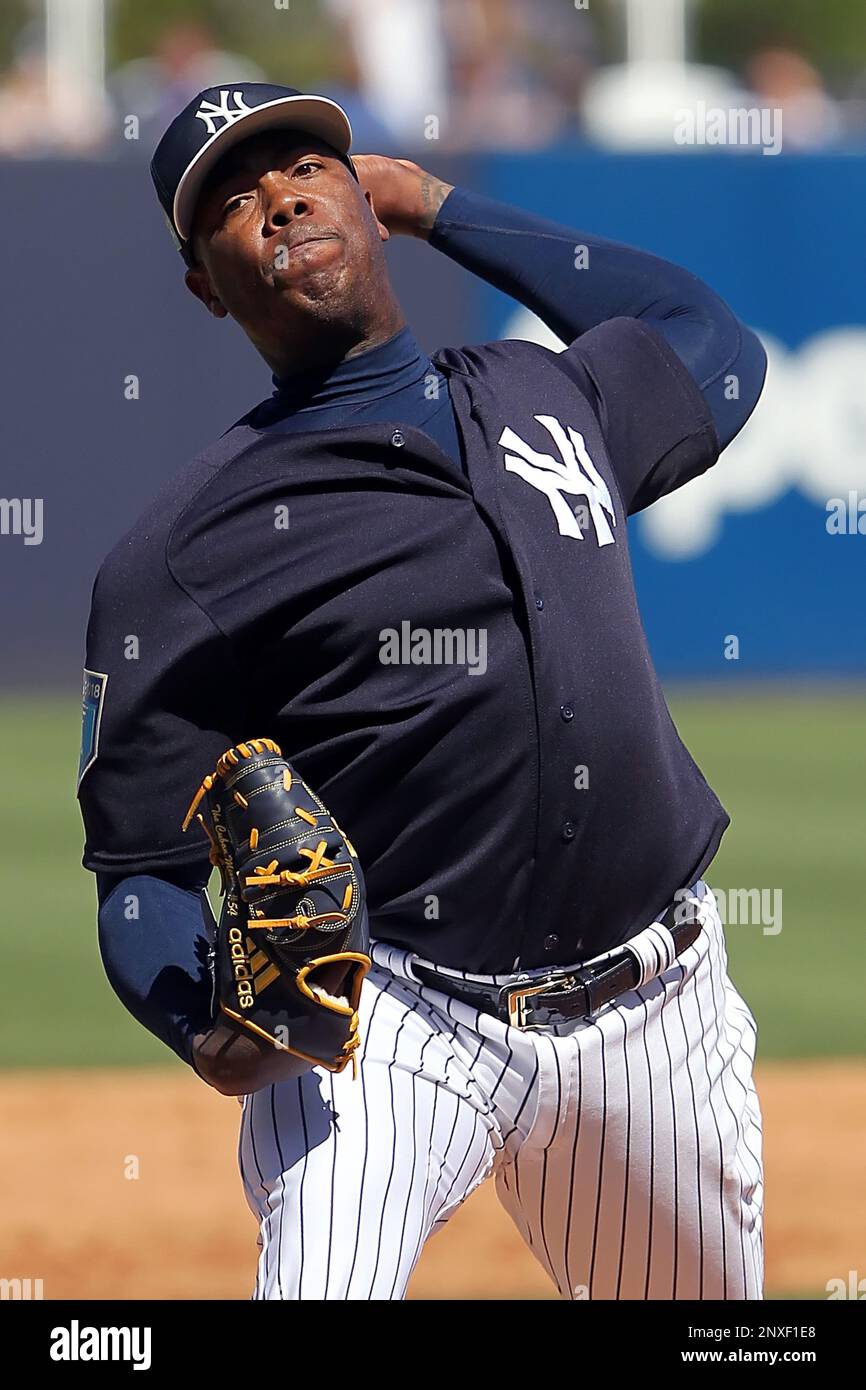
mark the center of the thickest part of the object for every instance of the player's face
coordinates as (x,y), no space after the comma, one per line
(287,244)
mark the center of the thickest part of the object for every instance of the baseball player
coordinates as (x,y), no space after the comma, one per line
(411,574)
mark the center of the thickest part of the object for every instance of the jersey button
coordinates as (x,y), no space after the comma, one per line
(568,830)
(539,603)
(398,439)
(551,942)
(567,712)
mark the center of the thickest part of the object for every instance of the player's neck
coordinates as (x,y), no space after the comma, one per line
(340,344)
(380,369)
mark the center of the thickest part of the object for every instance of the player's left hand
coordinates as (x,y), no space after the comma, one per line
(289,949)
(405,197)
(236,1063)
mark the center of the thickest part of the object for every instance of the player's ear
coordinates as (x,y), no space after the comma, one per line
(198,283)
(384,234)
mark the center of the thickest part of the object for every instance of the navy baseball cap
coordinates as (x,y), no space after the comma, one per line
(220,117)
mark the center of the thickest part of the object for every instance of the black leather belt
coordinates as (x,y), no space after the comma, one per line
(559,996)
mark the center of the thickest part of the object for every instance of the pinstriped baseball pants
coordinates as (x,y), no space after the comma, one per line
(626,1148)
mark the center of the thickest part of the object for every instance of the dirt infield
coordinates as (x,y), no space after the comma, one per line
(123,1184)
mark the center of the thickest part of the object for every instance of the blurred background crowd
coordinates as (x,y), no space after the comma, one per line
(103,77)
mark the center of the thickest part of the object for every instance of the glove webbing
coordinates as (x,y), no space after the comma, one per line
(320,865)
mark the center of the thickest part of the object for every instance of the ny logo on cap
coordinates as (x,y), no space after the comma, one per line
(210,112)
(573,473)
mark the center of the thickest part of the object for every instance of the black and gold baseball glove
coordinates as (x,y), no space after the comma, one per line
(289,951)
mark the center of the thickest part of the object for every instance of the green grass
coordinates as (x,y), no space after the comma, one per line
(791,770)
(58,1007)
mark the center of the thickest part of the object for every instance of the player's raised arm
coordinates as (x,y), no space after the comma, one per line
(575,281)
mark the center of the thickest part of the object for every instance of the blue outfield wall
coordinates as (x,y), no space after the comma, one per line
(745,551)
(91,292)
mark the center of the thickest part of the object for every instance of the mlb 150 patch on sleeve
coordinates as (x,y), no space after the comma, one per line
(92,698)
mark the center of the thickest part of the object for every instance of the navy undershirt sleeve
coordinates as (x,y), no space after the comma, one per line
(154,952)
(536,261)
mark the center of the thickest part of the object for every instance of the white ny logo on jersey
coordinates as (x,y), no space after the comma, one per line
(573,473)
(210,113)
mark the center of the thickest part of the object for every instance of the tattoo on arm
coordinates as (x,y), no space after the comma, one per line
(433,195)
